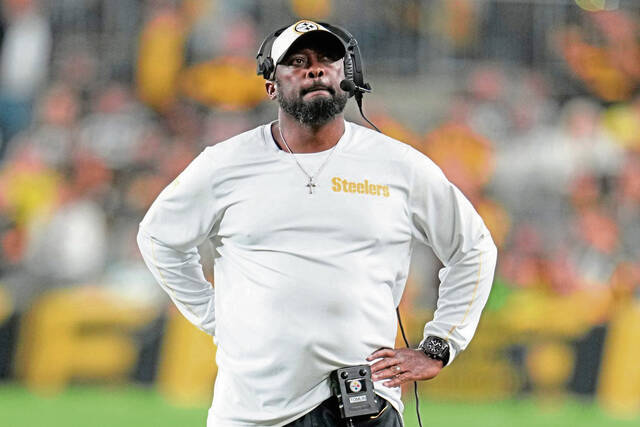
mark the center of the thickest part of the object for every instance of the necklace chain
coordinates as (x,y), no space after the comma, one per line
(310,184)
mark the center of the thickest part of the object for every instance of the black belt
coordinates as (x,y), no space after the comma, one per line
(328,413)
(382,405)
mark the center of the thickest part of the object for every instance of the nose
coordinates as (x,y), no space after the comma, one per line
(315,71)
(316,68)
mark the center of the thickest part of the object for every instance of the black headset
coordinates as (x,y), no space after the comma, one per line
(353,82)
(354,78)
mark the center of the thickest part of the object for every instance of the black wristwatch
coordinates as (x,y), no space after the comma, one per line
(435,348)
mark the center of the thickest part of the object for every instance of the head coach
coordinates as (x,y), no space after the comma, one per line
(313,219)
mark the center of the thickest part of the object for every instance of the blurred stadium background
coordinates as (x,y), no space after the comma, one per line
(532,107)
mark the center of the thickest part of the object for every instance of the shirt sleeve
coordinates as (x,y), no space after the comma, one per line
(179,220)
(445,220)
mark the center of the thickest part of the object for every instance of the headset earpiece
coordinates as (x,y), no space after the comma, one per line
(265,66)
(348,85)
(348,67)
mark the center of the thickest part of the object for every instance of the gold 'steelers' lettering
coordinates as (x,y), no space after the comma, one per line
(336,184)
(358,187)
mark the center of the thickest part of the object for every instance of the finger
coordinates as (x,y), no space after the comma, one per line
(388,373)
(383,352)
(398,380)
(384,364)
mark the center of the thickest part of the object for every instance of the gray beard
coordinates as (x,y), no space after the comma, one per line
(315,113)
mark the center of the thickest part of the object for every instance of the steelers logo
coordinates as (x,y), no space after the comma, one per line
(355,386)
(306,26)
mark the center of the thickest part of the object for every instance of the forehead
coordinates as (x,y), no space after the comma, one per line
(319,42)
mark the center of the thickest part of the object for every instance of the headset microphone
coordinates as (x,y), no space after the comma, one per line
(348,86)
(351,88)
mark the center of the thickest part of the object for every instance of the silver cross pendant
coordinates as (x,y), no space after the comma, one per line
(311,185)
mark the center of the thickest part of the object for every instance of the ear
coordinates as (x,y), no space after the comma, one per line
(272,89)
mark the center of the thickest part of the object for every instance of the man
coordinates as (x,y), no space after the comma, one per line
(312,220)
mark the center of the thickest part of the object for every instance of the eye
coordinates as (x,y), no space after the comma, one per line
(297,61)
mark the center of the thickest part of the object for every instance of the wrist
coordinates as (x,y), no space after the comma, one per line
(436,348)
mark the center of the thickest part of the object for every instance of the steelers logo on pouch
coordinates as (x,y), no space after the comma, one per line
(306,26)
(355,386)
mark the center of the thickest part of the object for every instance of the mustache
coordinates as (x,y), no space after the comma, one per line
(318,87)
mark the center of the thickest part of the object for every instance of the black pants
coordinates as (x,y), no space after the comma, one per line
(327,415)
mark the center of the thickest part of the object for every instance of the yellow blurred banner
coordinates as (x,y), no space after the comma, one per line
(90,334)
(79,333)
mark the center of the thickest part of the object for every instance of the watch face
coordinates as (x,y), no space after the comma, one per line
(434,346)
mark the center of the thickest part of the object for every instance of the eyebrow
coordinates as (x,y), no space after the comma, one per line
(323,53)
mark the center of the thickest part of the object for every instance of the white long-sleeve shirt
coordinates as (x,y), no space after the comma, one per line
(308,283)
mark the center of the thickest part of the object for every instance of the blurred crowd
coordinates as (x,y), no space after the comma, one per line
(556,178)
